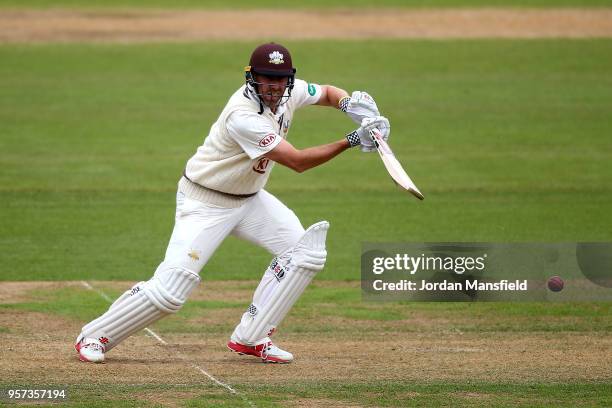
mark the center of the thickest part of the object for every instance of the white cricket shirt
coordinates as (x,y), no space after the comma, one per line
(231,158)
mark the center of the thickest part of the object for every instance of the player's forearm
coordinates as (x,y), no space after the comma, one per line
(317,155)
(332,96)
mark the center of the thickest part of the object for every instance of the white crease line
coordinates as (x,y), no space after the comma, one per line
(87,285)
(152,333)
(99,292)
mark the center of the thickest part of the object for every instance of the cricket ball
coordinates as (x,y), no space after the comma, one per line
(555,284)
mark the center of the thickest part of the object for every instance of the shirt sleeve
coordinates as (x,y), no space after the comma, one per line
(305,93)
(253,133)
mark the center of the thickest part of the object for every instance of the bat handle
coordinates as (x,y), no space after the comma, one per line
(373,133)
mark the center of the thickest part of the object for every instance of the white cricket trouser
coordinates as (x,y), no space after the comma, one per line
(200,228)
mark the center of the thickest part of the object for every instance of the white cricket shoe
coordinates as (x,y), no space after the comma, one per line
(90,350)
(267,351)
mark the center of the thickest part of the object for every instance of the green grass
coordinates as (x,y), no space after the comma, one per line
(277,4)
(139,395)
(319,303)
(381,394)
(508,140)
(368,394)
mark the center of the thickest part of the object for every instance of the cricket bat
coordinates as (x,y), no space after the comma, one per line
(393,166)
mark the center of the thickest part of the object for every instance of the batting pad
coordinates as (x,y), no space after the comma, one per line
(143,304)
(284,281)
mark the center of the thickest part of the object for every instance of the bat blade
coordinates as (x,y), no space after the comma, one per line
(393,166)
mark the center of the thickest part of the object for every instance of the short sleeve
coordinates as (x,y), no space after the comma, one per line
(305,93)
(252,132)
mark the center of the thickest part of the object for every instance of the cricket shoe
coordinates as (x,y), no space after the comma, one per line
(267,351)
(90,350)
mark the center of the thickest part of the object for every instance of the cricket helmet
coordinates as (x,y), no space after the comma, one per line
(271,60)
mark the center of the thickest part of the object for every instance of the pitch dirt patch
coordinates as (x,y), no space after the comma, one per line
(17,26)
(389,355)
(16,292)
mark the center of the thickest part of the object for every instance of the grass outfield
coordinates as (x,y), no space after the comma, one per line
(508,140)
(321,4)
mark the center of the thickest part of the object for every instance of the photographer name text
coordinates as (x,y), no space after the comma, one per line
(446,285)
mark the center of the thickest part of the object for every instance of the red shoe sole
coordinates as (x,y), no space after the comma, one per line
(242,350)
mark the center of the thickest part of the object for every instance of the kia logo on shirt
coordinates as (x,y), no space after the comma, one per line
(267,140)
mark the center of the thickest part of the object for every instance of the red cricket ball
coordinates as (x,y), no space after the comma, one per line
(555,284)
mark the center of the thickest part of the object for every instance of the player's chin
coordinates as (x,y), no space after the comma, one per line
(272,101)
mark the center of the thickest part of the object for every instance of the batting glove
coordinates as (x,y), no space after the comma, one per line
(358,106)
(361,136)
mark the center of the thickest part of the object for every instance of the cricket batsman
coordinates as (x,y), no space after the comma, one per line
(222,193)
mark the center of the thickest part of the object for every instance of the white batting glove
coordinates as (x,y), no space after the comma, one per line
(361,136)
(359,106)
(384,127)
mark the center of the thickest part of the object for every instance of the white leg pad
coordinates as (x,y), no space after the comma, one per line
(284,281)
(143,304)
